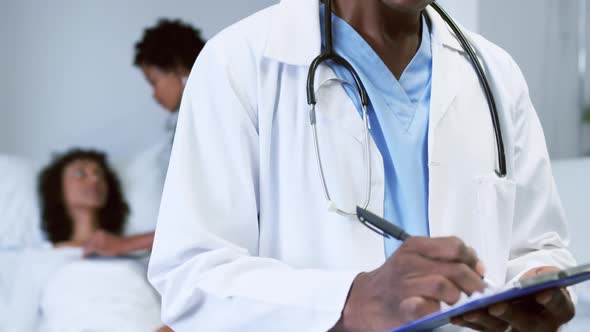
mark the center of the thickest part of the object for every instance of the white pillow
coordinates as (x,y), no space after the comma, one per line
(143,181)
(19,208)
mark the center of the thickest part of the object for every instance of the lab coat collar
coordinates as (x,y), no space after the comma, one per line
(295,35)
(441,32)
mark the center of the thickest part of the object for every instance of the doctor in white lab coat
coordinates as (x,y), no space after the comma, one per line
(245,242)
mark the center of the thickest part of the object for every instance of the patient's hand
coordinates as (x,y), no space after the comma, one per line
(105,244)
(68,244)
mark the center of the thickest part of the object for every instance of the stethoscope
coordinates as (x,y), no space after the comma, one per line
(330,55)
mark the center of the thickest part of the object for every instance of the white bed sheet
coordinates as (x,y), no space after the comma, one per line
(48,290)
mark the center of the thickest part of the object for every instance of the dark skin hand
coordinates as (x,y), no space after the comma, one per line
(543,312)
(411,284)
(424,272)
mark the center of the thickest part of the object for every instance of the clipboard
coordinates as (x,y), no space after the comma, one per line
(563,278)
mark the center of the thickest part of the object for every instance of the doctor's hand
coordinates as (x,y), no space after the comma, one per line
(411,284)
(105,244)
(542,312)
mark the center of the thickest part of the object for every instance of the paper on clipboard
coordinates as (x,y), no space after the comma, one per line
(521,289)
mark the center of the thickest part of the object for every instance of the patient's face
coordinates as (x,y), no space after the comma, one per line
(84,185)
(167,86)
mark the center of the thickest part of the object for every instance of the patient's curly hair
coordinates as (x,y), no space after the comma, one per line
(169,44)
(56,222)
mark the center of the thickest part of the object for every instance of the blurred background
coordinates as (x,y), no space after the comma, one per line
(68,80)
(68,76)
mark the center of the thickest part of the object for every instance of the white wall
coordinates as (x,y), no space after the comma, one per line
(585,138)
(67,74)
(67,77)
(541,35)
(463,11)
(6,70)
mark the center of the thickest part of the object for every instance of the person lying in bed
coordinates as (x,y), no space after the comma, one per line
(83,206)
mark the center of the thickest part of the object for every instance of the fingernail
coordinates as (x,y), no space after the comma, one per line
(471,318)
(498,310)
(480,268)
(544,298)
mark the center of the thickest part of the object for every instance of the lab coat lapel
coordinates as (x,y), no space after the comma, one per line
(334,107)
(295,39)
(445,82)
(447,58)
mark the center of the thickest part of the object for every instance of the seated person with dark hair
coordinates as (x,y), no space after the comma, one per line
(166,54)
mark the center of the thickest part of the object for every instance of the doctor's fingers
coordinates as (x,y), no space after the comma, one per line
(524,318)
(558,304)
(434,287)
(500,327)
(417,307)
(451,249)
(461,275)
(487,322)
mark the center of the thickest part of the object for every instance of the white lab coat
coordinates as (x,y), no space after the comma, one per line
(244,240)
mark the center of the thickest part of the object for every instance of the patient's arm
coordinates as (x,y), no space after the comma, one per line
(105,244)
(66,244)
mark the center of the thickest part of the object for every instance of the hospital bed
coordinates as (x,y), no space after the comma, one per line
(43,289)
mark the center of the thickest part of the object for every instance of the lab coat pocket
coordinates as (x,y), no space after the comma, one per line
(495,213)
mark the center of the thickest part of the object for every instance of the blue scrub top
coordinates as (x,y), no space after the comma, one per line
(398,114)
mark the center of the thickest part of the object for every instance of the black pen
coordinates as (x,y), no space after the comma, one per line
(385,228)
(380,225)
